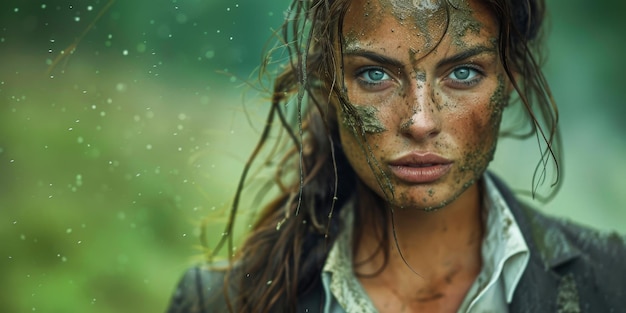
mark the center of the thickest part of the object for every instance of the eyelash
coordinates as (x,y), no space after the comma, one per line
(368,83)
(478,76)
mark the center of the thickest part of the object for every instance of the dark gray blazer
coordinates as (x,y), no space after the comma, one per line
(571,269)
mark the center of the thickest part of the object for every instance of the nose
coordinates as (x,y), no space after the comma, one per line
(423,119)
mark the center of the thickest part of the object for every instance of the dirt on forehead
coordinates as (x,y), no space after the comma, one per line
(415,9)
(430,18)
(462,20)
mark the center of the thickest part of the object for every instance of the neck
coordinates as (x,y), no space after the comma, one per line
(432,245)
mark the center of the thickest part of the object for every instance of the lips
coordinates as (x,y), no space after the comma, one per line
(420,168)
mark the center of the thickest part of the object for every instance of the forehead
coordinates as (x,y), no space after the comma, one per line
(418,23)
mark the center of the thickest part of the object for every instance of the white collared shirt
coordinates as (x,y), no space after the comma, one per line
(504,255)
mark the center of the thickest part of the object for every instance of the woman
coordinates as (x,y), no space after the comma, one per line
(385,203)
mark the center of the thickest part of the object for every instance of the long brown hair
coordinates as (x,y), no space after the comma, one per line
(283,255)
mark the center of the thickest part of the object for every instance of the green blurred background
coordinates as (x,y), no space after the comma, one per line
(109,162)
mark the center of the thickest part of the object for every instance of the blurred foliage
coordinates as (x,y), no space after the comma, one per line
(109,163)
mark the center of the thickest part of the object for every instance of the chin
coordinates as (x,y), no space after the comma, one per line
(424,204)
(429,199)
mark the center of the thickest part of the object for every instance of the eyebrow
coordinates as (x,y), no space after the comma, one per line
(378,58)
(466,54)
(373,56)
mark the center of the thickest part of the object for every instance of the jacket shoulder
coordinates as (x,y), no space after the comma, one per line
(585,263)
(559,240)
(593,245)
(201,289)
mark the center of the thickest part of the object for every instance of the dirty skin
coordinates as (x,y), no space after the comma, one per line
(428,15)
(480,156)
(462,21)
(431,19)
(420,12)
(366,117)
(367,114)
(498,101)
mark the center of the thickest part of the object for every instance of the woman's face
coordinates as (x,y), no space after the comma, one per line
(430,110)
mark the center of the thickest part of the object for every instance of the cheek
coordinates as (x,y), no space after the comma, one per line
(478,136)
(486,123)
(363,156)
(354,152)
(350,141)
(483,118)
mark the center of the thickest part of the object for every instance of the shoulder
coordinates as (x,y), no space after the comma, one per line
(585,266)
(572,267)
(558,239)
(592,241)
(592,245)
(201,288)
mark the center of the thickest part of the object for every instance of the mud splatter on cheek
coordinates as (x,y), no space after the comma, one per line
(498,101)
(368,116)
(485,127)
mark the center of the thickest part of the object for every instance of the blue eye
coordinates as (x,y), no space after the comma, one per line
(373,76)
(463,74)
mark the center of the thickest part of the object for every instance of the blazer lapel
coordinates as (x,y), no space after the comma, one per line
(542,288)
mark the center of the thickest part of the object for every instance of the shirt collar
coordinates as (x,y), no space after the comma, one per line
(338,276)
(504,251)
